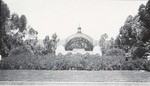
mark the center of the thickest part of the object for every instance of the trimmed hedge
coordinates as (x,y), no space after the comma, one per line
(72,62)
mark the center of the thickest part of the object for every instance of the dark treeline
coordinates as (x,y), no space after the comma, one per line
(14,31)
(20,49)
(18,37)
(134,35)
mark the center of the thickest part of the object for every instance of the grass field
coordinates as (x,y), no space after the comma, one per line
(74,76)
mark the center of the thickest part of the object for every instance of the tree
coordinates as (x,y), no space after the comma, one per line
(102,39)
(103,43)
(50,44)
(5,13)
(111,41)
(15,21)
(31,40)
(32,33)
(13,30)
(144,12)
(46,40)
(23,23)
(138,50)
(54,42)
(134,35)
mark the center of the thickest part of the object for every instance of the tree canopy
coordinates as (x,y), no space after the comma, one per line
(134,35)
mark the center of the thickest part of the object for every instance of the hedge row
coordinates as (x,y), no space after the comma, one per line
(72,62)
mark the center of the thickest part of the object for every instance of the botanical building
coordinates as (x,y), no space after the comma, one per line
(78,43)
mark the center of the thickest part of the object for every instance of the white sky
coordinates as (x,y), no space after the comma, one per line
(64,16)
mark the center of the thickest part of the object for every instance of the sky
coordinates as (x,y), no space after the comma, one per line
(63,17)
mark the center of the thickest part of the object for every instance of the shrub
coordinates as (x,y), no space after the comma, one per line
(20,50)
(137,52)
(28,60)
(147,68)
(115,52)
(20,61)
(137,64)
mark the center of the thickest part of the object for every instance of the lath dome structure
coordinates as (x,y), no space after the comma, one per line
(78,43)
(79,40)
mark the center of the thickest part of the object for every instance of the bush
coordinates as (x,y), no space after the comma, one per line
(20,50)
(62,62)
(115,52)
(20,61)
(147,68)
(137,52)
(28,60)
(137,64)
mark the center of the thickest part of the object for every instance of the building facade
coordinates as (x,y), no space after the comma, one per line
(78,43)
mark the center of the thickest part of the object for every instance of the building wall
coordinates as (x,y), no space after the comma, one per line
(61,49)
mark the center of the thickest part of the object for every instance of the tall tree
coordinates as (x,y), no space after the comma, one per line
(102,42)
(23,23)
(50,44)
(12,30)
(134,35)
(5,13)
(15,21)
(32,38)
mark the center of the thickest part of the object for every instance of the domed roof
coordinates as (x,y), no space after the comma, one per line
(78,35)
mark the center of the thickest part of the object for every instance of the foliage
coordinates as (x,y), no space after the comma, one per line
(127,35)
(27,60)
(102,39)
(19,61)
(5,13)
(23,23)
(137,64)
(134,34)
(138,50)
(147,66)
(106,44)
(50,44)
(115,52)
(20,49)
(13,31)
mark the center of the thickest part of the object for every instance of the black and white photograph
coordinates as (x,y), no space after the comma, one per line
(75,43)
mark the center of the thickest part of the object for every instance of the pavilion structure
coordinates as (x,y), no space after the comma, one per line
(78,43)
